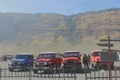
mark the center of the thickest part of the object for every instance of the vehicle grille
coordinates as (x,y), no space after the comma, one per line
(17,63)
(42,64)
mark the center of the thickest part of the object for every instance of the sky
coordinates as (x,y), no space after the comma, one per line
(66,7)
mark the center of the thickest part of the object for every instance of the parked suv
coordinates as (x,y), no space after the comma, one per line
(6,57)
(99,59)
(22,61)
(47,62)
(72,61)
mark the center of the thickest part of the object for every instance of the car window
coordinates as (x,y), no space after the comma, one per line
(67,54)
(21,56)
(30,56)
(96,54)
(47,55)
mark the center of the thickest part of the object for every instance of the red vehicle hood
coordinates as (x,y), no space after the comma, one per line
(96,59)
(71,58)
(43,60)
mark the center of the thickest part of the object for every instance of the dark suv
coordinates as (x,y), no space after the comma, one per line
(22,61)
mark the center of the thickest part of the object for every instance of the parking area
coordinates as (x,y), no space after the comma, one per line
(5,74)
(86,75)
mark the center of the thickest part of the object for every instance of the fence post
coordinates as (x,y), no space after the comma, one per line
(74,73)
(30,73)
(115,74)
(0,73)
(85,73)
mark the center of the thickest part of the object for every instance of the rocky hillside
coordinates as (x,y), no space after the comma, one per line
(33,31)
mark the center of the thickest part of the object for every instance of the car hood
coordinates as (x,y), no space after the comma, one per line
(96,58)
(20,60)
(71,58)
(43,60)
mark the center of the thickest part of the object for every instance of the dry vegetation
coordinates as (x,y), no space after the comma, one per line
(54,32)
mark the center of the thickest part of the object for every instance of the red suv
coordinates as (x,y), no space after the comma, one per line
(72,61)
(47,61)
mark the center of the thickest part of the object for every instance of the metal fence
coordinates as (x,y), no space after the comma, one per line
(101,74)
(5,74)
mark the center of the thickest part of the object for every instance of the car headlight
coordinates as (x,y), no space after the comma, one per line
(22,62)
(45,63)
(37,63)
(50,62)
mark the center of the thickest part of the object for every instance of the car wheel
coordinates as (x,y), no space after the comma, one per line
(35,71)
(11,70)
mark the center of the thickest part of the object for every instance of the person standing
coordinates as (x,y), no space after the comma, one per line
(85,61)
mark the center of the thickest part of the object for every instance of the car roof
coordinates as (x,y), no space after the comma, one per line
(72,51)
(49,53)
(96,51)
(24,54)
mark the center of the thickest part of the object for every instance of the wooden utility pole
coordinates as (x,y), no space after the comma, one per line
(109,58)
(109,53)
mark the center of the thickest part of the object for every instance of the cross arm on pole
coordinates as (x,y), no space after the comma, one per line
(110,40)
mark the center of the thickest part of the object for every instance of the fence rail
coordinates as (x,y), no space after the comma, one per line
(5,74)
(90,74)
(103,74)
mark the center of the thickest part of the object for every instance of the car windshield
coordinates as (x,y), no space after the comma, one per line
(21,57)
(96,53)
(73,54)
(47,55)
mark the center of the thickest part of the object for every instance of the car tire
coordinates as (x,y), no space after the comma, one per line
(35,71)
(11,70)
